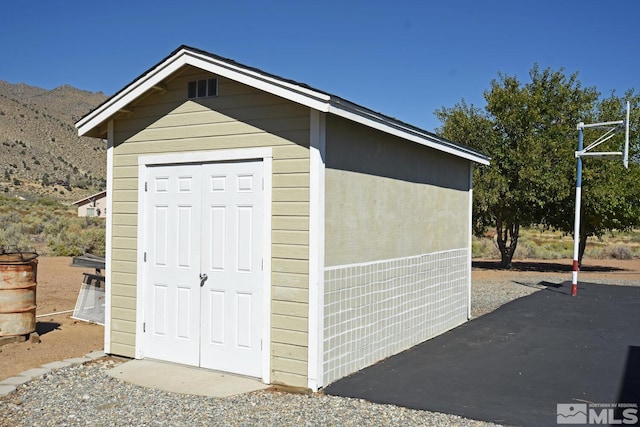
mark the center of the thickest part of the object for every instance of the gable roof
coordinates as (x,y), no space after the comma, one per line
(90,198)
(294,91)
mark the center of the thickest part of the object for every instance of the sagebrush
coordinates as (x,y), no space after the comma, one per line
(48,227)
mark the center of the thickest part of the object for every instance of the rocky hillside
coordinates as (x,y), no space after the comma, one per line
(40,151)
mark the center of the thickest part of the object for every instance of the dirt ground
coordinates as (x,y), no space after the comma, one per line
(62,337)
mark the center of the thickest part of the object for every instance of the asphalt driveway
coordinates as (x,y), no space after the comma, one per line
(515,365)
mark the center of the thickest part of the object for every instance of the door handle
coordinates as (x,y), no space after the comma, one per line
(203,278)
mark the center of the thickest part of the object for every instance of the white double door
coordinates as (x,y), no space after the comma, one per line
(203,284)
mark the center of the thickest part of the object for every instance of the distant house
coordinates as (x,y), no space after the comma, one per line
(260,226)
(94,205)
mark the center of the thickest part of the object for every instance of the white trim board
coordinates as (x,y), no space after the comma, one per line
(108,240)
(317,135)
(366,263)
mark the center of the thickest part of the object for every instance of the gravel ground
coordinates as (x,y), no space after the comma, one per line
(84,395)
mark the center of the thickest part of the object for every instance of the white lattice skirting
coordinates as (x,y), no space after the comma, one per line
(374,310)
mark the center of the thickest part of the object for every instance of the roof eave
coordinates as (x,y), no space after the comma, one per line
(185,56)
(362,115)
(90,124)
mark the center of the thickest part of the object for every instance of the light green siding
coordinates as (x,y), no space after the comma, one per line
(388,199)
(240,117)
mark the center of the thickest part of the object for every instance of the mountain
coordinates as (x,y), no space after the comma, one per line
(40,150)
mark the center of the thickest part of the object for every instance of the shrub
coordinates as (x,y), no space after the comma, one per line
(483,247)
(620,252)
(13,239)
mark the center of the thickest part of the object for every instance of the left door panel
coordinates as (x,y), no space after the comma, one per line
(172,232)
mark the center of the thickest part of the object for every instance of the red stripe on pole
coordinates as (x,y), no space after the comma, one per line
(575,265)
(574,289)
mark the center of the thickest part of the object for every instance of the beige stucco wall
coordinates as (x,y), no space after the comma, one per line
(240,117)
(388,199)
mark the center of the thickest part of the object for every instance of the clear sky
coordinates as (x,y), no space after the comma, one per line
(402,58)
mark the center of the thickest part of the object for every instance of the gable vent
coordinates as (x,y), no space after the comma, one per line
(202,88)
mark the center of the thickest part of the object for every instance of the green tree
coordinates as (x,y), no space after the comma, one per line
(529,132)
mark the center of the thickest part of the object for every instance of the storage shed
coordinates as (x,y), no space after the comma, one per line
(258,226)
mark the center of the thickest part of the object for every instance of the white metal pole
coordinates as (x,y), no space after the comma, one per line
(625,155)
(576,230)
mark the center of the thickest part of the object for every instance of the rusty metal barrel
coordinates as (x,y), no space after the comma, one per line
(18,274)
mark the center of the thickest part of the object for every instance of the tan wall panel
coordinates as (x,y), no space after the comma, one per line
(284,293)
(288,308)
(123,195)
(291,180)
(127,327)
(279,377)
(290,195)
(125,338)
(291,152)
(120,208)
(291,208)
(124,302)
(123,314)
(289,365)
(122,349)
(291,237)
(290,280)
(195,131)
(289,322)
(123,279)
(125,243)
(123,219)
(290,223)
(290,251)
(123,290)
(124,266)
(289,351)
(127,184)
(290,265)
(289,337)
(125,161)
(120,254)
(291,166)
(130,171)
(125,231)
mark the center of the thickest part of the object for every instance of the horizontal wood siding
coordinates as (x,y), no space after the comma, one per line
(240,117)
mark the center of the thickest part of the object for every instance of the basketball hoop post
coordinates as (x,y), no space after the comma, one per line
(576,230)
(613,128)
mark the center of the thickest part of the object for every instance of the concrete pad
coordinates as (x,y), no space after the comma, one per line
(34,373)
(182,379)
(15,380)
(6,389)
